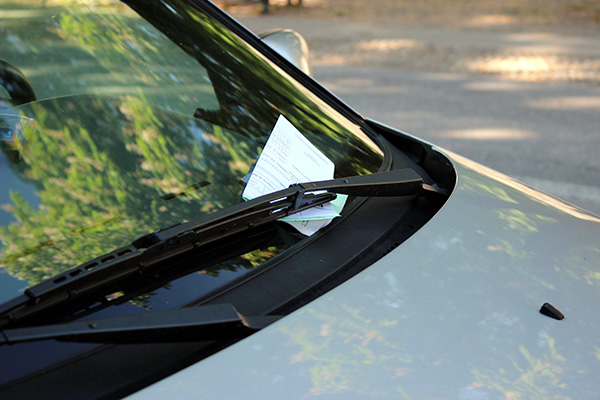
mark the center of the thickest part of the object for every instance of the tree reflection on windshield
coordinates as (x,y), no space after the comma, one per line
(252,92)
(108,170)
(112,149)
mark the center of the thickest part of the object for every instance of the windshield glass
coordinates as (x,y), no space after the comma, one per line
(117,120)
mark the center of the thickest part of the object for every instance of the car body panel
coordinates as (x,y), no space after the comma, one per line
(290,45)
(451,313)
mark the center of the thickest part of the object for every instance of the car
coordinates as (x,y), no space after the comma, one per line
(186,212)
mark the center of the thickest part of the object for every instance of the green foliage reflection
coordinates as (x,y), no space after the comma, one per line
(109,170)
(106,161)
(531,376)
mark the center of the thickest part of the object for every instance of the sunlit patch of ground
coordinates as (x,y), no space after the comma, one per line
(536,67)
(567,103)
(488,20)
(386,45)
(411,55)
(489,134)
(331,59)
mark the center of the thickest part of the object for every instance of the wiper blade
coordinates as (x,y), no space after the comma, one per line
(104,275)
(210,322)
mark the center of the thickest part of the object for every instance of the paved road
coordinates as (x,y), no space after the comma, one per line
(545,134)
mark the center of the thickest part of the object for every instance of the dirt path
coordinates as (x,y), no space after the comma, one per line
(572,15)
(528,40)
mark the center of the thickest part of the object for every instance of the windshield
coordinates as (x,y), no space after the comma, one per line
(125,122)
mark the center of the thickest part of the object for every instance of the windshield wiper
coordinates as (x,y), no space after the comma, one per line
(209,322)
(92,281)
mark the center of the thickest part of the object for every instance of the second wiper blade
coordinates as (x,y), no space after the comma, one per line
(210,322)
(105,274)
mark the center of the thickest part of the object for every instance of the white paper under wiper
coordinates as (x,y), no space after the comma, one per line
(288,158)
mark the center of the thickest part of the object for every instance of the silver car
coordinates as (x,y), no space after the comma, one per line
(185,212)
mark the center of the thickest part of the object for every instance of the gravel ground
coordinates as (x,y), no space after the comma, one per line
(527,40)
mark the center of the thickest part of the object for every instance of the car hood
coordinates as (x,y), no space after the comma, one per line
(451,313)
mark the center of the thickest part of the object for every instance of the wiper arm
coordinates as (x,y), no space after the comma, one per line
(210,322)
(104,275)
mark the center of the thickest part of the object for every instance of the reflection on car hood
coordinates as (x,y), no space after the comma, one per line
(452,312)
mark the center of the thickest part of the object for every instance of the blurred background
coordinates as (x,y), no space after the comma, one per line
(514,85)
